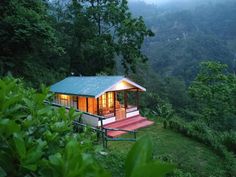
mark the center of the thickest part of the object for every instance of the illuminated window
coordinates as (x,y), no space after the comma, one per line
(64,100)
(104,100)
(64,97)
(110,99)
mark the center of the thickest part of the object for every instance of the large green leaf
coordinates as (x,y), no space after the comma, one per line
(140,154)
(154,169)
(8,127)
(2,172)
(20,145)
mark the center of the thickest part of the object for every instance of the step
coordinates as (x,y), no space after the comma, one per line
(132,123)
(136,126)
(133,127)
(124,122)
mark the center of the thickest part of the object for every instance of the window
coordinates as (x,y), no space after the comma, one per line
(103,100)
(106,100)
(74,101)
(110,99)
(64,100)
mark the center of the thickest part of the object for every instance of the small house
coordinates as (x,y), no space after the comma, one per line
(115,98)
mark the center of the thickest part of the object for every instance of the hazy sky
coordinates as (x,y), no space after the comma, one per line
(154,1)
(158,2)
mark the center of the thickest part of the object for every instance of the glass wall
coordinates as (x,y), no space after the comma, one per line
(66,100)
(106,104)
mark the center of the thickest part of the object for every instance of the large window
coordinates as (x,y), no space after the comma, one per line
(110,99)
(106,103)
(66,100)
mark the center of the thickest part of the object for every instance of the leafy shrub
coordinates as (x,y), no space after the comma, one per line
(180,173)
(229,140)
(37,140)
(217,141)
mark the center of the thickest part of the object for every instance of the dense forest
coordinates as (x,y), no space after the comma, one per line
(185,36)
(183,53)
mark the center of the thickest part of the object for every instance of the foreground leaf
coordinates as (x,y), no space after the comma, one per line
(140,154)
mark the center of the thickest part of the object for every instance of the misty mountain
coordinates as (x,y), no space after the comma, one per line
(186,36)
(181,4)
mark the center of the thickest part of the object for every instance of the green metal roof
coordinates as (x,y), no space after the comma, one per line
(90,86)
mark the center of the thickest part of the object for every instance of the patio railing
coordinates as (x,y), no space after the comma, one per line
(100,130)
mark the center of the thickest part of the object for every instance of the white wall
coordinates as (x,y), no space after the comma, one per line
(107,121)
(131,114)
(90,120)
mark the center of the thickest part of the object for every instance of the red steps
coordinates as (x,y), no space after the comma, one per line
(132,123)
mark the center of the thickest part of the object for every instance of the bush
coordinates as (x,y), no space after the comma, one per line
(229,140)
(219,142)
(37,139)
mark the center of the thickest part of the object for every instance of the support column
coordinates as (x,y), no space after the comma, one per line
(86,104)
(77,102)
(125,99)
(114,97)
(137,99)
(98,113)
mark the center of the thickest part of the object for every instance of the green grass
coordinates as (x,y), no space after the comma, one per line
(187,154)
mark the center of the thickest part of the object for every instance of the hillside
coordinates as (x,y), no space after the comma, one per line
(186,36)
(191,158)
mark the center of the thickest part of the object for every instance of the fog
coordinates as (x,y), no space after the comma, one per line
(164,2)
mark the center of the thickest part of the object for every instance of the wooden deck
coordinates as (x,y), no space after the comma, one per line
(132,123)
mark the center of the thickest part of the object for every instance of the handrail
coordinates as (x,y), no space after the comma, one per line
(122,130)
(102,129)
(107,138)
(121,139)
(75,122)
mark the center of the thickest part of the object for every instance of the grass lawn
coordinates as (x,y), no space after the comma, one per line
(187,154)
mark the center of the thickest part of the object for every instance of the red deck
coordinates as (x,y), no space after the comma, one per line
(132,123)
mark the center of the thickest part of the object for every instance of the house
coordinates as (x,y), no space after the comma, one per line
(115,98)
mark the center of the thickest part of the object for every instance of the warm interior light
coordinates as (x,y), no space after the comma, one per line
(104,100)
(110,99)
(64,97)
(121,86)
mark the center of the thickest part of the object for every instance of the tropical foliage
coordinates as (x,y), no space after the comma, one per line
(36,139)
(190,79)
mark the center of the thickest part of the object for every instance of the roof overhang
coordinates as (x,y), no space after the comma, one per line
(118,86)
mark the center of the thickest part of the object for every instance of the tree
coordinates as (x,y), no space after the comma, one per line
(214,93)
(26,34)
(100,31)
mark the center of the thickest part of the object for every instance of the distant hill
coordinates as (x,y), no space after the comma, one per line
(186,36)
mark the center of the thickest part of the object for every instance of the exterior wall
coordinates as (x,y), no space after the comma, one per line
(90,120)
(94,121)
(82,104)
(92,105)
